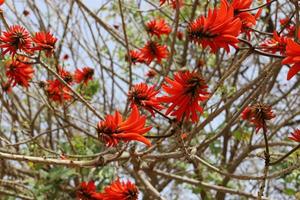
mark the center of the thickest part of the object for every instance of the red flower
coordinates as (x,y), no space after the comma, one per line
(218,30)
(295,136)
(158,28)
(113,128)
(58,92)
(87,191)
(275,44)
(84,75)
(186,90)
(292,57)
(66,75)
(66,57)
(118,190)
(258,114)
(2,2)
(18,72)
(151,73)
(136,57)
(44,41)
(173,3)
(144,96)
(152,50)
(16,38)
(248,19)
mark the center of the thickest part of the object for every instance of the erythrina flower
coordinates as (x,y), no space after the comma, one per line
(172,2)
(144,96)
(2,2)
(66,75)
(16,38)
(118,190)
(19,72)
(275,44)
(151,73)
(292,57)
(87,191)
(218,30)
(186,90)
(113,128)
(258,114)
(135,56)
(84,75)
(152,50)
(58,92)
(158,28)
(44,41)
(295,135)
(248,19)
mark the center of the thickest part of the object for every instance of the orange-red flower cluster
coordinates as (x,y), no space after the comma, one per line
(292,57)
(154,51)
(248,19)
(275,44)
(295,135)
(19,72)
(57,91)
(16,38)
(121,191)
(135,56)
(185,92)
(117,190)
(84,75)
(258,114)
(114,129)
(218,30)
(143,96)
(87,191)
(44,41)
(158,28)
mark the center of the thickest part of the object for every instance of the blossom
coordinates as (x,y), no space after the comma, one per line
(87,191)
(114,129)
(120,191)
(152,50)
(66,75)
(2,2)
(83,75)
(218,30)
(248,20)
(19,72)
(44,41)
(257,114)
(151,73)
(57,91)
(16,38)
(185,92)
(292,57)
(135,56)
(158,28)
(275,44)
(144,96)
(172,2)
(295,135)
